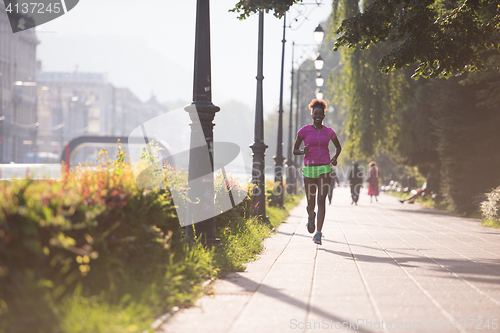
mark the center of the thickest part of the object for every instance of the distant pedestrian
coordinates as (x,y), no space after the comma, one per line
(373,176)
(420,192)
(316,170)
(334,180)
(356,182)
(430,186)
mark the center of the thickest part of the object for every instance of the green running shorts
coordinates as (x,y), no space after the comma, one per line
(315,171)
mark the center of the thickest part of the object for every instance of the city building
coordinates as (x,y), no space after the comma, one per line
(41,111)
(18,118)
(73,104)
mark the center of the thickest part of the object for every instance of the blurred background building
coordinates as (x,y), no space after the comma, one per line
(42,111)
(18,119)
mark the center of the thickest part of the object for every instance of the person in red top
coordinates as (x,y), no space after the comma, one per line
(317,169)
(373,176)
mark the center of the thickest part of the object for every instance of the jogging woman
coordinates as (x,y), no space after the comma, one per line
(316,170)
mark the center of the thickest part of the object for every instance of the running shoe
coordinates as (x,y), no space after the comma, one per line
(310,224)
(317,237)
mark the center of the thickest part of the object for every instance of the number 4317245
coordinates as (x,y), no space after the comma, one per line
(472,324)
(33,8)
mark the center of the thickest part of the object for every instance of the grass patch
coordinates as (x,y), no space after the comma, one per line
(277,216)
(181,284)
(242,237)
(142,301)
(491,223)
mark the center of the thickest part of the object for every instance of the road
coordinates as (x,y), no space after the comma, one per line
(383,267)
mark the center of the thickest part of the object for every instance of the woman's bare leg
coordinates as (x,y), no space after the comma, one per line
(310,185)
(323,187)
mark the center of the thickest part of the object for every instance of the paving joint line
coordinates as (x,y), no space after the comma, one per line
(449,271)
(240,315)
(425,292)
(309,302)
(365,283)
(470,259)
(457,231)
(466,233)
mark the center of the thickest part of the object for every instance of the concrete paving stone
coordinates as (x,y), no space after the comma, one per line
(403,264)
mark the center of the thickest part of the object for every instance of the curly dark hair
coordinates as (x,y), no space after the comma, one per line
(316,103)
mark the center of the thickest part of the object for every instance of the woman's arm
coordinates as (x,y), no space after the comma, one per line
(338,149)
(296,146)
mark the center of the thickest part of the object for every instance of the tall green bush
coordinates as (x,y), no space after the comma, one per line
(90,232)
(490,208)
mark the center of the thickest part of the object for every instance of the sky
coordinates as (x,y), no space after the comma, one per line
(148,46)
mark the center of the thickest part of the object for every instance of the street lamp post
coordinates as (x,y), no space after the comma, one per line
(278,159)
(297,108)
(298,181)
(259,147)
(291,163)
(2,118)
(306,76)
(290,179)
(202,112)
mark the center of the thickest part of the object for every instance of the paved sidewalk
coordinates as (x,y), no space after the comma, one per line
(404,265)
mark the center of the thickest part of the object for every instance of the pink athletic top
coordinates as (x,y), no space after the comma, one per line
(318,141)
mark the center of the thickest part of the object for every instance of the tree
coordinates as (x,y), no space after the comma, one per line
(444,37)
(248,7)
(369,99)
(449,126)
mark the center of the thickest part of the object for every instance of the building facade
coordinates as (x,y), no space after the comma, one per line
(75,104)
(18,117)
(72,104)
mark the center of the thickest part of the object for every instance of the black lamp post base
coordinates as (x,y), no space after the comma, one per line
(291,182)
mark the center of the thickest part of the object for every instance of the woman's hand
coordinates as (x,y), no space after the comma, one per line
(333,161)
(306,149)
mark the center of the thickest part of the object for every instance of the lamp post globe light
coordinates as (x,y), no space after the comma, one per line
(319,94)
(319,34)
(318,63)
(320,81)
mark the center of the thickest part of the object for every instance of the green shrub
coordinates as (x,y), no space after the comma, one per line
(93,252)
(490,208)
(90,232)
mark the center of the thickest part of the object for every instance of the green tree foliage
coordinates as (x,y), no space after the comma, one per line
(247,7)
(417,139)
(443,37)
(447,126)
(453,124)
(369,99)
(467,130)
